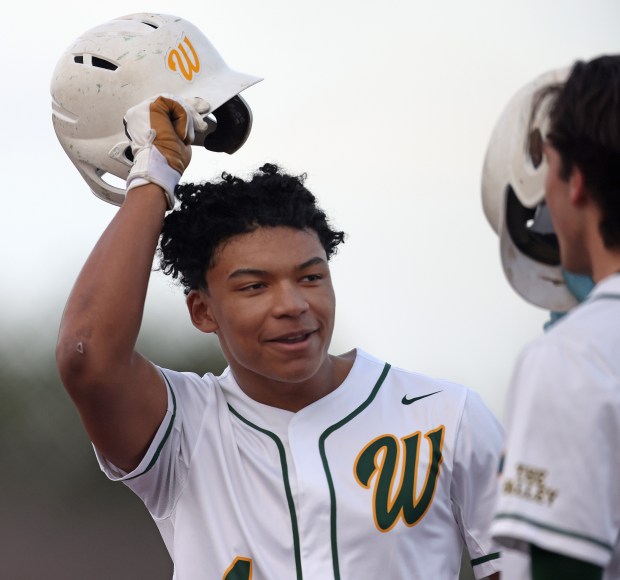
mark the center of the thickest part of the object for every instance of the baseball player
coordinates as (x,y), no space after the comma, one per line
(294,462)
(559,496)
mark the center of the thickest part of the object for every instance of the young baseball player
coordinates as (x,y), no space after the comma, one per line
(293,463)
(560,498)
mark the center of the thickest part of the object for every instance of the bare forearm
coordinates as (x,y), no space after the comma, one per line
(121,396)
(104,312)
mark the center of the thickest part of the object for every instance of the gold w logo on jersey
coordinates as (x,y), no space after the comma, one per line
(394,479)
(179,60)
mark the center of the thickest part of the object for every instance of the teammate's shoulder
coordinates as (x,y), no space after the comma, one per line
(564,338)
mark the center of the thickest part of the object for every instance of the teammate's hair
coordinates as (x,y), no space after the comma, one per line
(584,127)
(211,213)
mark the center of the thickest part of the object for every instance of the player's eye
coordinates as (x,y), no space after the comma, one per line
(312,278)
(252,286)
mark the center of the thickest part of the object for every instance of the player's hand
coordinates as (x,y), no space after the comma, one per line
(161,130)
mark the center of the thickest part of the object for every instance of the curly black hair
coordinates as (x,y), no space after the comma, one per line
(212,212)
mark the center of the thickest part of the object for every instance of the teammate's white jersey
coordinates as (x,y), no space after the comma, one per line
(382,478)
(560,487)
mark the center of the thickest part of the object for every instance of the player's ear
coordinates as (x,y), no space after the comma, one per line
(198,304)
(577,187)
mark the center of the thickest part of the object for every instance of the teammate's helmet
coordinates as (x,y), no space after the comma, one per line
(513,181)
(118,64)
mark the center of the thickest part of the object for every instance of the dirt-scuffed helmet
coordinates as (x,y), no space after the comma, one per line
(513,191)
(118,64)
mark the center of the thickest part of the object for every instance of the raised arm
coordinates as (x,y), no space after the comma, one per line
(119,394)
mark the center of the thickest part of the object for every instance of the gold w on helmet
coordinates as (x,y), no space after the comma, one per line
(180,61)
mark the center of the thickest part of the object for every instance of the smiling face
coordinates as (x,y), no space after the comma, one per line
(271,302)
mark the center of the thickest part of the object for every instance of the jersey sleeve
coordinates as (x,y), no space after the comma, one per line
(474,482)
(559,487)
(161,475)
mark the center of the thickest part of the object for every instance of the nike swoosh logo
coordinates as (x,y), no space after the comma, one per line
(407,401)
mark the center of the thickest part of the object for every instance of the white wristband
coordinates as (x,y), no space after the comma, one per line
(151,166)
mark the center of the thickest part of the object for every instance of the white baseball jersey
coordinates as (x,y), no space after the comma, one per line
(385,477)
(560,487)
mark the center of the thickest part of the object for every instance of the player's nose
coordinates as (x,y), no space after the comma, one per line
(289,300)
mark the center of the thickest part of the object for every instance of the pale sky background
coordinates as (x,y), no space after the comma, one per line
(387,106)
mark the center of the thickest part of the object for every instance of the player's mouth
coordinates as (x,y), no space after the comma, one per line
(292,338)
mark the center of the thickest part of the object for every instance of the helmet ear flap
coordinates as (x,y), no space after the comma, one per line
(531,230)
(234,122)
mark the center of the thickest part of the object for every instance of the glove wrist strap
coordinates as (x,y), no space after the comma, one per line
(151,166)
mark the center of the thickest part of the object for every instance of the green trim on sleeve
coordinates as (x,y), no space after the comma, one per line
(560,531)
(487,558)
(167,434)
(287,486)
(330,483)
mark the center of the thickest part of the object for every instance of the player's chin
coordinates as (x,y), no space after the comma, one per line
(295,371)
(296,368)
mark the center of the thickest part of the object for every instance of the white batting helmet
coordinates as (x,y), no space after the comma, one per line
(513,190)
(118,64)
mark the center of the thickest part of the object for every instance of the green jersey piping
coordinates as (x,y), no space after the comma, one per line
(287,487)
(604,296)
(330,483)
(568,533)
(167,434)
